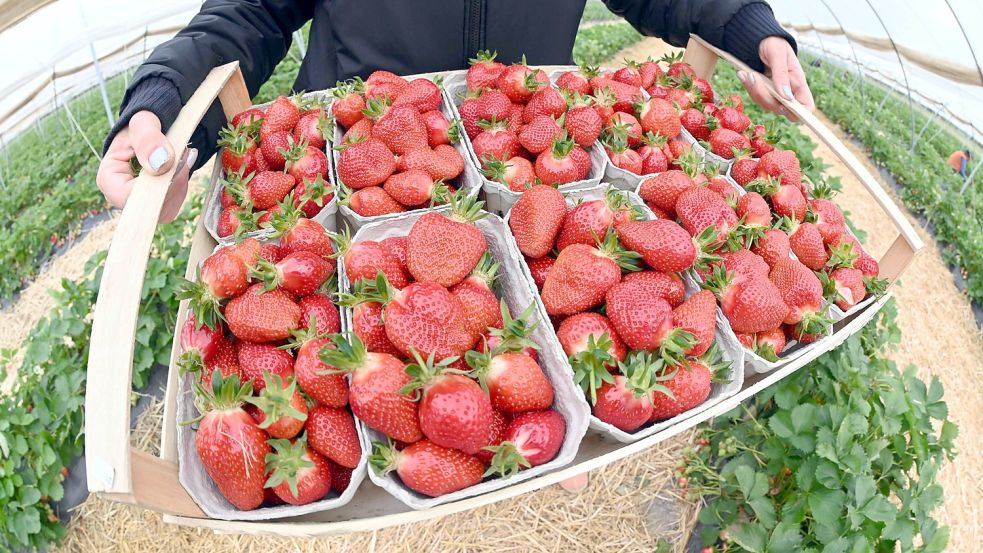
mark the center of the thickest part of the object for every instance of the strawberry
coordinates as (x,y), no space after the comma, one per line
(348,103)
(300,273)
(582,275)
(428,468)
(575,81)
(484,70)
(720,185)
(664,245)
(696,122)
(367,321)
(781,164)
(621,157)
(531,439)
(304,161)
(264,190)
(496,434)
(664,189)
(763,141)
(364,163)
(744,170)
(625,401)
(725,142)
(699,208)
(225,361)
(358,132)
(480,305)
(519,82)
(628,74)
(826,214)
(444,248)
(250,116)
(315,128)
(273,146)
(280,409)
(302,234)
(384,83)
(262,316)
(514,122)
(365,259)
(440,130)
(698,316)
(493,105)
(297,473)
(415,188)
(312,375)
(668,286)
(374,394)
(604,101)
(538,134)
(536,220)
(583,124)
(257,360)
(468,111)
(624,125)
(281,116)
(401,129)
(540,268)
(659,117)
(238,150)
(731,118)
(644,321)
(495,140)
(625,95)
(807,244)
(547,102)
(741,262)
(588,221)
(422,94)
(512,335)
(331,432)
(341,477)
(514,381)
(232,448)
(803,294)
(786,200)
(454,411)
(222,275)
(849,287)
(324,312)
(754,211)
(372,202)
(772,246)
(576,331)
(311,195)
(688,386)
(442,163)
(769,344)
(199,345)
(751,304)
(516,173)
(235,221)
(649,72)
(396,246)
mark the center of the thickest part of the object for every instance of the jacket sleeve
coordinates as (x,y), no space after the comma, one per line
(737,26)
(255,32)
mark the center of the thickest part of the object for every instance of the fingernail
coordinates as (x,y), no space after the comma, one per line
(742,76)
(158,158)
(788,91)
(192,157)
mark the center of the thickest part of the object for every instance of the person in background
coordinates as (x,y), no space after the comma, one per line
(959,161)
(350,38)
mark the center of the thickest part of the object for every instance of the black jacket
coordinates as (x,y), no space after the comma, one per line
(355,37)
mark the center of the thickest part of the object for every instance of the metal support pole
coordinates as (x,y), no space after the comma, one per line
(969,178)
(927,123)
(299,38)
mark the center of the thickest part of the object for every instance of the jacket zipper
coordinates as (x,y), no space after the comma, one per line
(473,30)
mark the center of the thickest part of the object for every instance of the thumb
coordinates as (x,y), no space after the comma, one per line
(152,148)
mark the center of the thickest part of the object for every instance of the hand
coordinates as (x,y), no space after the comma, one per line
(783,67)
(142,138)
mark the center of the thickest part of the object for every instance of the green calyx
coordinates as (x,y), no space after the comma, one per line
(830,293)
(590,366)
(718,281)
(494,169)
(766,351)
(384,458)
(315,191)
(465,208)
(674,346)
(486,270)
(342,242)
(303,334)
(562,145)
(375,108)
(766,186)
(615,142)
(514,334)
(275,400)
(267,273)
(219,394)
(454,131)
(237,185)
(425,371)
(627,260)
(604,97)
(821,190)
(530,82)
(295,150)
(507,460)
(876,286)
(190,361)
(706,243)
(483,56)
(720,372)
(589,71)
(841,255)
(493,124)
(743,236)
(689,163)
(286,461)
(367,291)
(644,372)
(286,218)
(347,353)
(206,307)
(654,140)
(817,323)
(440,193)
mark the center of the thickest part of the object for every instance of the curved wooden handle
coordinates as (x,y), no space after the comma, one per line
(703,56)
(107,397)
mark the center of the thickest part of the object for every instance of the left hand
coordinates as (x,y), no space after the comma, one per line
(783,67)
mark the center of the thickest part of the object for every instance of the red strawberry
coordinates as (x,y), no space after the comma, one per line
(590,220)
(496,434)
(642,321)
(231,446)
(484,70)
(695,121)
(583,124)
(517,173)
(545,101)
(384,84)
(849,285)
(536,220)
(582,275)
(280,409)
(515,382)
(531,439)
(225,361)
(750,304)
(341,477)
(469,116)
(575,332)
(725,142)
(697,315)
(754,210)
(365,163)
(331,432)
(514,122)
(664,245)
(238,150)
(512,334)
(621,157)
(230,221)
(743,262)
(659,284)
(264,190)
(310,195)
(495,141)
(539,134)
(415,188)
(625,401)
(365,259)
(444,248)
(781,164)
(401,129)
(699,208)
(772,246)
(625,95)
(807,244)
(624,125)
(273,146)
(312,374)
(298,474)
(428,468)
(519,82)
(324,312)
(261,316)
(454,411)
(540,269)
(573,81)
(199,344)
(649,72)
(300,273)
(439,129)
(664,189)
(442,163)
(374,394)
(731,118)
(396,246)
(659,117)
(348,103)
(249,117)
(358,132)
(281,116)
(770,344)
(744,170)
(803,294)
(304,161)
(480,305)
(315,128)
(256,361)
(829,219)
(688,387)
(629,74)
(303,235)
(367,321)
(422,94)
(720,185)
(372,202)
(494,105)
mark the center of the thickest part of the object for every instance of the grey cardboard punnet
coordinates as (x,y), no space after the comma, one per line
(498,198)
(204,491)
(729,347)
(470,179)
(516,289)
(213,205)
(706,154)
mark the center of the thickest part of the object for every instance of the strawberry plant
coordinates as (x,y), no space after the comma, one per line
(841,456)
(595,11)
(599,42)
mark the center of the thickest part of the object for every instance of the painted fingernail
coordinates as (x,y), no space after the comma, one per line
(788,91)
(742,76)
(158,158)
(192,157)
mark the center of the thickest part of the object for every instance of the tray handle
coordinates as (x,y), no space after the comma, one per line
(703,57)
(113,467)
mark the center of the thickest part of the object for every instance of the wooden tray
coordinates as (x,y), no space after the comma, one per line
(118,472)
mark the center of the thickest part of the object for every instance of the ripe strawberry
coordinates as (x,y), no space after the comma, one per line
(495,141)
(688,386)
(624,126)
(365,259)
(384,84)
(625,95)
(828,219)
(223,275)
(654,160)
(422,94)
(331,432)
(582,161)
(664,245)
(590,220)
(312,374)
(358,132)
(397,247)
(536,219)
(238,150)
(642,321)
(659,117)
(512,335)
(849,287)
(324,312)
(372,202)
(302,234)
(515,382)
(374,394)
(514,122)
(744,170)
(539,134)
(199,345)
(576,331)
(249,116)
(531,439)
(484,70)
(468,111)
(583,125)
(300,273)
(575,81)
(281,116)
(440,130)
(664,189)
(311,195)
(260,316)
(772,246)
(741,262)
(750,304)
(582,275)
(731,118)
(428,468)
(442,163)
(280,409)
(519,82)
(415,188)
(264,190)
(365,163)
(480,305)
(604,101)
(493,105)
(315,128)
(807,244)
(341,477)
(540,268)
(454,411)
(803,294)
(401,129)
(348,103)
(725,142)
(304,161)
(782,164)
(517,173)
(621,157)
(698,316)
(367,321)
(733,100)
(720,185)
(496,434)
(754,211)
(696,122)
(444,248)
(699,208)
(546,101)
(273,146)
(786,200)
(232,448)
(625,402)
(225,361)
(649,72)
(256,361)
(629,74)
(298,474)
(668,286)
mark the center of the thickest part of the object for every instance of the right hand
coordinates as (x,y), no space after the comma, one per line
(142,138)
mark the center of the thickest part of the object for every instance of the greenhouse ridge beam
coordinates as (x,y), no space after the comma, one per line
(13,12)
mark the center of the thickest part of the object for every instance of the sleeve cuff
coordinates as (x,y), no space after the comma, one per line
(745,31)
(154,94)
